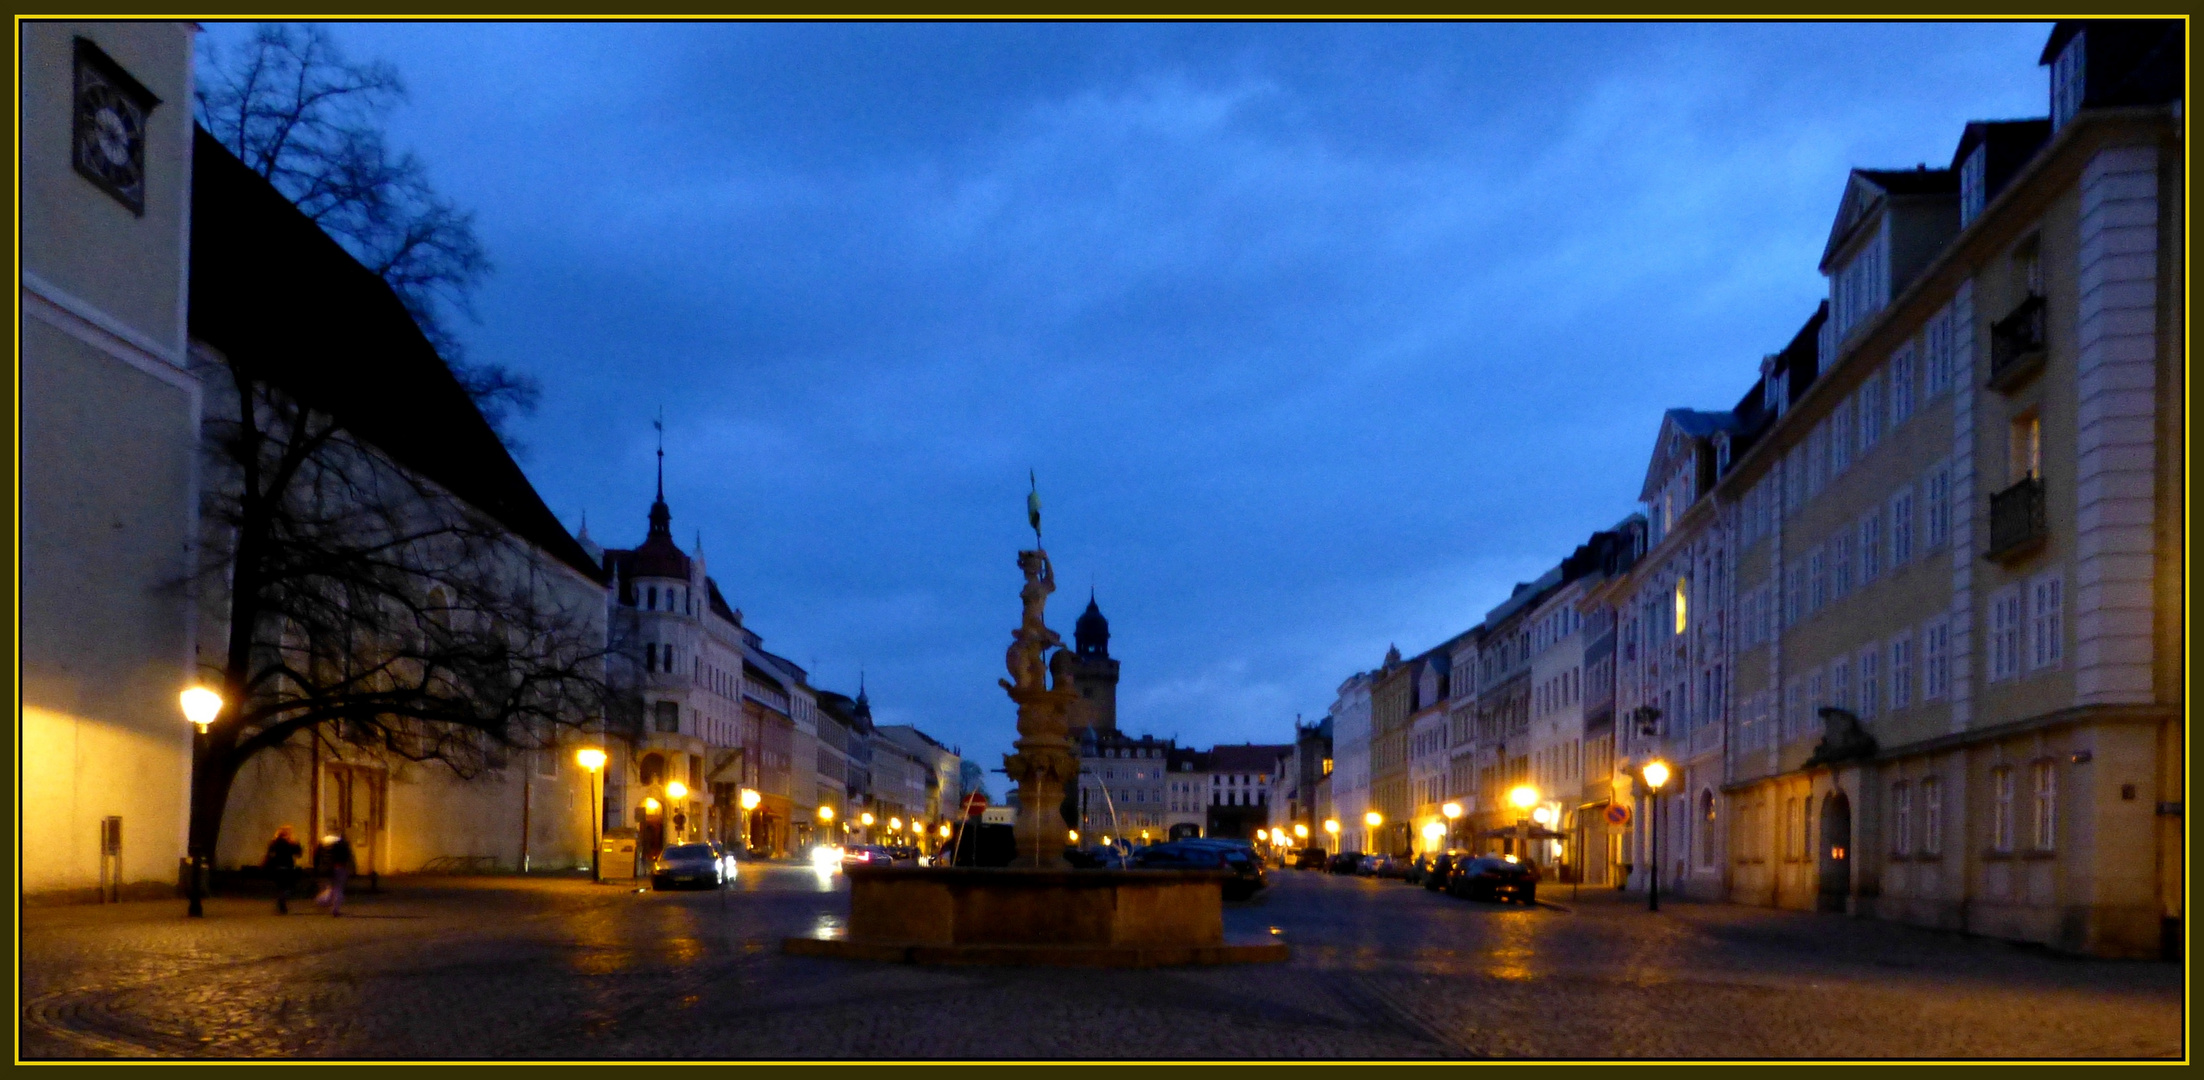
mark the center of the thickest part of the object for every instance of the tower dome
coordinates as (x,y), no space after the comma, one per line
(1091,634)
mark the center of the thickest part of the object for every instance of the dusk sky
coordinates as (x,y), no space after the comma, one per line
(1318,337)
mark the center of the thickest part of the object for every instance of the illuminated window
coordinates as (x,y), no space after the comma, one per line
(1682,603)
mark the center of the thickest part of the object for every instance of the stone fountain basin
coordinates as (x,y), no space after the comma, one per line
(1101,918)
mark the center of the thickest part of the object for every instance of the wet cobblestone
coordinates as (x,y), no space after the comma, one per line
(560,969)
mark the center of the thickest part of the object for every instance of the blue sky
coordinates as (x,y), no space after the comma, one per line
(1319,337)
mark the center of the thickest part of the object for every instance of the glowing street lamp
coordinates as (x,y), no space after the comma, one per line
(676,790)
(1300,830)
(864,819)
(826,813)
(750,799)
(1655,773)
(895,824)
(1524,797)
(1433,832)
(1331,825)
(201,706)
(1074,834)
(592,759)
(1373,819)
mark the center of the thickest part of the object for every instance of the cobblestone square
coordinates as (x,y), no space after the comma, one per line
(506,968)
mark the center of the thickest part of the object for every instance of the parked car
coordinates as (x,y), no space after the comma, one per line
(1489,877)
(1247,874)
(866,855)
(1096,857)
(1309,858)
(1379,866)
(903,854)
(705,864)
(1346,862)
(1417,867)
(1442,868)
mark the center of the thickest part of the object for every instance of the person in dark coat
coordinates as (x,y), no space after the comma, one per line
(281,863)
(336,858)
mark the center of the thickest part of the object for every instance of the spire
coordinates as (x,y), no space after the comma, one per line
(661,519)
(1091,634)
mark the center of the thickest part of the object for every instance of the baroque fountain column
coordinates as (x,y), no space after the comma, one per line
(1044,767)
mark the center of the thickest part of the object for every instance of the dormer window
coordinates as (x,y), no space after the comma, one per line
(2067,80)
(1974,183)
(1779,392)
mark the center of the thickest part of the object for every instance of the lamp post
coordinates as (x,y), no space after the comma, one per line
(1524,797)
(1331,825)
(201,707)
(1655,773)
(593,759)
(749,799)
(1373,819)
(1453,812)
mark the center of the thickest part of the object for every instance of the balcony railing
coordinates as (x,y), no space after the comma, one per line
(2017,521)
(2017,345)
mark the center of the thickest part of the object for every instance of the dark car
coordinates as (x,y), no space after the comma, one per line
(705,864)
(866,855)
(1095,858)
(1489,877)
(1442,868)
(1309,858)
(1417,867)
(1247,875)
(1346,862)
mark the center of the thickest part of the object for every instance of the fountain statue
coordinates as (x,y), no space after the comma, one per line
(1044,767)
(1036,910)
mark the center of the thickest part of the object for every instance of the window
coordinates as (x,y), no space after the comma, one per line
(1902,375)
(1840,684)
(1817,695)
(2001,809)
(653,603)
(1794,710)
(1843,427)
(1871,547)
(1901,818)
(1874,415)
(1942,343)
(1901,671)
(1794,596)
(2047,621)
(1840,559)
(1973,183)
(667,716)
(2068,72)
(2005,633)
(1936,659)
(1817,569)
(2046,784)
(1932,817)
(1939,504)
(650,656)
(1683,586)
(1817,459)
(2024,447)
(1870,666)
(1791,841)
(1901,527)
(1794,478)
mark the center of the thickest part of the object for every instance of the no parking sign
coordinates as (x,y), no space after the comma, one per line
(1618,814)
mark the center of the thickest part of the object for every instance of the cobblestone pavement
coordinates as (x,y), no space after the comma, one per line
(539,968)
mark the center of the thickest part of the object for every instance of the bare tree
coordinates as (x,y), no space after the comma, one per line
(297,112)
(369,608)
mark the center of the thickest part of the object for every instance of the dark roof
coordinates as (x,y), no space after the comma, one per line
(286,304)
(2128,61)
(719,603)
(1919,180)
(1246,758)
(657,557)
(1091,634)
(1700,424)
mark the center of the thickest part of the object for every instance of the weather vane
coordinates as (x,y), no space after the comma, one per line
(1033,507)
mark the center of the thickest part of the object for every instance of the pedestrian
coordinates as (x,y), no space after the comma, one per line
(336,857)
(281,863)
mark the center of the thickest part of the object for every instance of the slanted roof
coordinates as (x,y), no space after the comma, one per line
(1864,189)
(1696,426)
(1246,758)
(284,303)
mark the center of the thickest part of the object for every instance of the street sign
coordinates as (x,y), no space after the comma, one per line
(974,804)
(1618,814)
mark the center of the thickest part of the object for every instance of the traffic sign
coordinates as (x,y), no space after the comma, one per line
(1618,814)
(975,803)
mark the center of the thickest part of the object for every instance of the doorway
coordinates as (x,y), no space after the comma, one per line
(1836,851)
(352,807)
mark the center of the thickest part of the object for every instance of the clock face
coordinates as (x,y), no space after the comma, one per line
(109,127)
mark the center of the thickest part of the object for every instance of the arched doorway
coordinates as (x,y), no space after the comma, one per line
(1836,851)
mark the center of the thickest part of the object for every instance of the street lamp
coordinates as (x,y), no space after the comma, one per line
(826,814)
(751,798)
(1453,812)
(201,706)
(593,759)
(1331,825)
(1524,797)
(1433,832)
(1655,773)
(1300,830)
(864,819)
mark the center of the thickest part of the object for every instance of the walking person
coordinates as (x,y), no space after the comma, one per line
(336,857)
(281,863)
